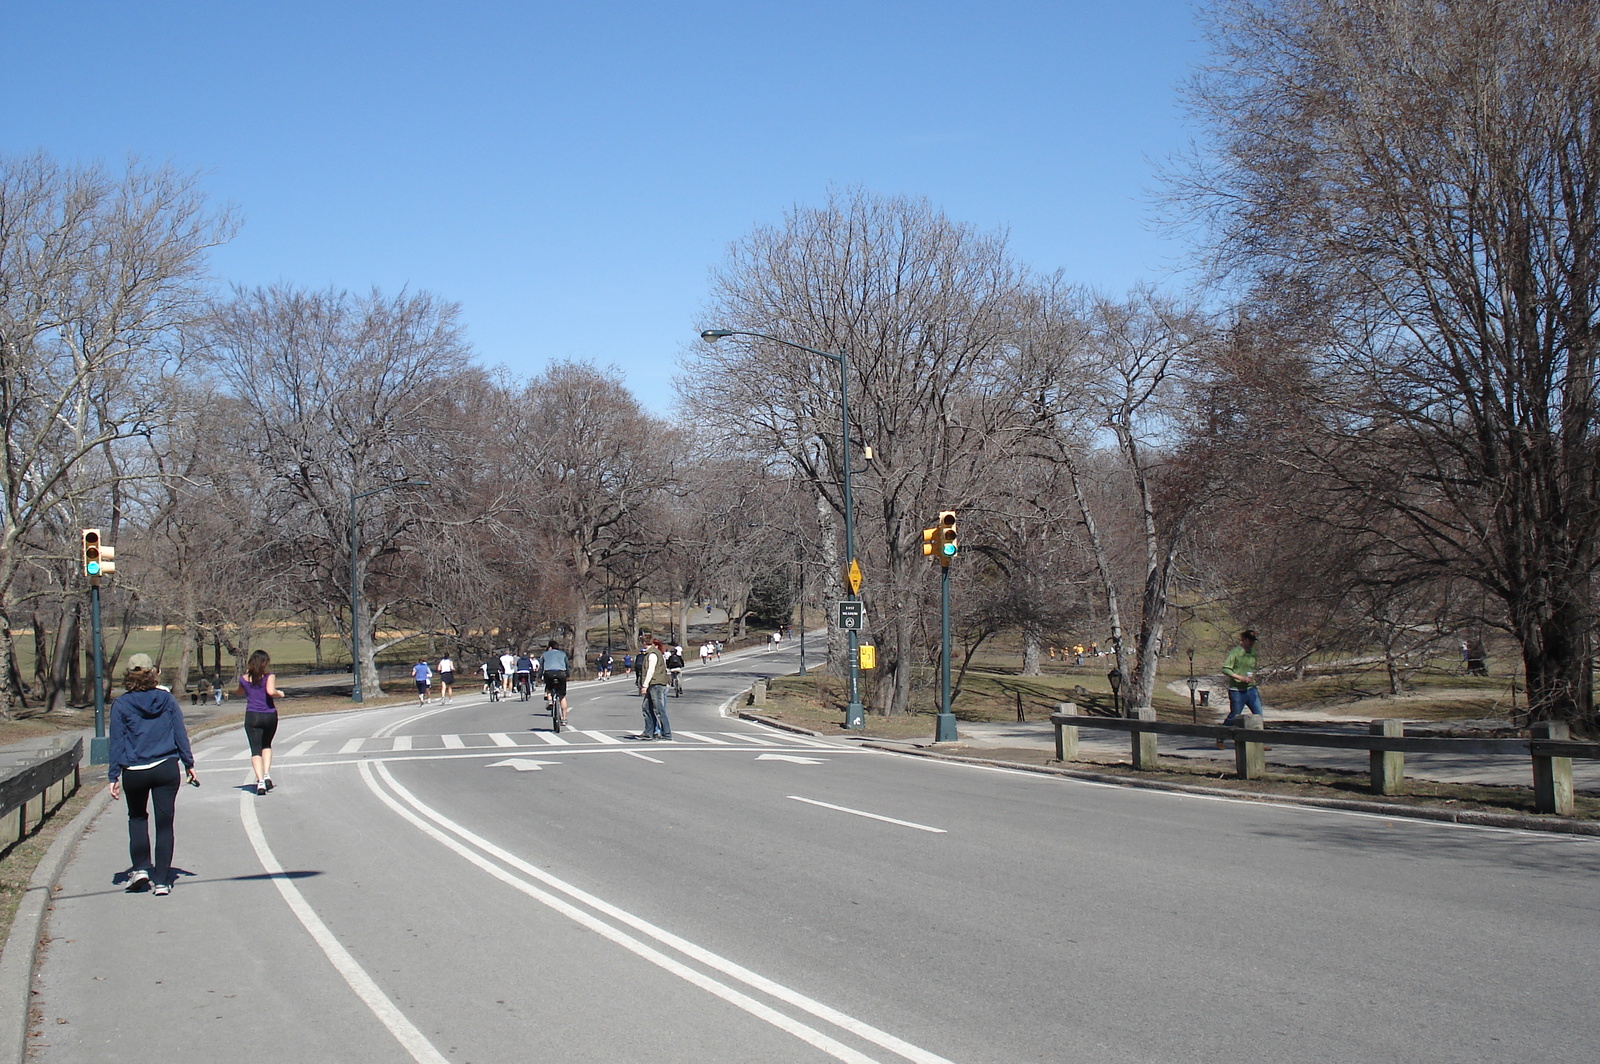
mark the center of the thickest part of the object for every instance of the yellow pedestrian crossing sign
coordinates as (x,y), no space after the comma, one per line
(854,577)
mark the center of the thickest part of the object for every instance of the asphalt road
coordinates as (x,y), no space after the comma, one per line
(411,893)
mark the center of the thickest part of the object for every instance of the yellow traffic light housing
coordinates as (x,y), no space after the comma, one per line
(927,542)
(99,559)
(948,542)
(91,552)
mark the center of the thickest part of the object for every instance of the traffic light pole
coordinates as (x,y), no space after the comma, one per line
(854,714)
(100,745)
(945,730)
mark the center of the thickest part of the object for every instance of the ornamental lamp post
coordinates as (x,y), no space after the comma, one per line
(1114,677)
(854,715)
(355,583)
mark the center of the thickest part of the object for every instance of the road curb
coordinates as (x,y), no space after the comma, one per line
(1447,816)
(22,944)
(780,725)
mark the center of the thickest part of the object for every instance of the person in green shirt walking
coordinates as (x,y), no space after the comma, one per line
(1240,669)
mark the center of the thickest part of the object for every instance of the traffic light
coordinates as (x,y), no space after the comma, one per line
(947,542)
(927,542)
(91,551)
(98,558)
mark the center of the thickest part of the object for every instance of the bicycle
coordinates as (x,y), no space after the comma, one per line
(524,683)
(677,682)
(493,687)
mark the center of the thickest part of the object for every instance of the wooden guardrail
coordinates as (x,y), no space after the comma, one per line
(32,793)
(1548,748)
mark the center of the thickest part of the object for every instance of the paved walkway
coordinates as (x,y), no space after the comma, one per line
(1438,768)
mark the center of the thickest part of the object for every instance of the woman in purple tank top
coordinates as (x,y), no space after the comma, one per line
(259,688)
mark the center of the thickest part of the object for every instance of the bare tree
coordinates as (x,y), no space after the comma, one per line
(100,273)
(350,397)
(924,308)
(1423,179)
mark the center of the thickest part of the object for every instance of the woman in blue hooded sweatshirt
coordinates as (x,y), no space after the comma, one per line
(148,741)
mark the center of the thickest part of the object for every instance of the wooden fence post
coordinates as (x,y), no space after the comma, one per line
(1144,743)
(1066,734)
(1552,776)
(1249,759)
(1387,766)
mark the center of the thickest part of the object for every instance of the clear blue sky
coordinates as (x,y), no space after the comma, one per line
(570,172)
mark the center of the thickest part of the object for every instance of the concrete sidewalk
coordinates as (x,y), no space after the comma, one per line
(1436,768)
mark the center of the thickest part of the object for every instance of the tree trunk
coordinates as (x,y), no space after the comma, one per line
(1558,661)
(41,660)
(832,582)
(580,635)
(62,662)
(1102,563)
(1031,640)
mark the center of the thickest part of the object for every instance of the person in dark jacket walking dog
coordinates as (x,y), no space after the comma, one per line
(148,741)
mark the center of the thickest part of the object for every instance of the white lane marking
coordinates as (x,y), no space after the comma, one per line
(574,748)
(794,758)
(402,743)
(413,1040)
(804,741)
(452,742)
(645,757)
(351,746)
(551,738)
(751,739)
(869,816)
(502,739)
(697,953)
(602,737)
(385,732)
(303,748)
(697,737)
(523,764)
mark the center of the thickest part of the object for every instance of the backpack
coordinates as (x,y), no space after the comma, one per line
(674,660)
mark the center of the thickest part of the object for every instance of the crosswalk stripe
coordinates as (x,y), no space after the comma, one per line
(303,748)
(743,738)
(697,737)
(242,756)
(351,746)
(808,742)
(551,738)
(602,737)
(402,743)
(453,742)
(502,739)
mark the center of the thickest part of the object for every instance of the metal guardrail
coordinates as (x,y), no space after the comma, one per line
(1549,749)
(31,793)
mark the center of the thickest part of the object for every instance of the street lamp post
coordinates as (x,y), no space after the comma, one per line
(355,583)
(1114,678)
(854,715)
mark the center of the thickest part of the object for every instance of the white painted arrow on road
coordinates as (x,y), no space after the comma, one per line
(522,764)
(793,758)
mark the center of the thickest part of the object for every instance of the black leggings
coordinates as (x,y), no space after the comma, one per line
(139,786)
(259,728)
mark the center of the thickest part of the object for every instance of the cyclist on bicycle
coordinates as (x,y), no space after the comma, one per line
(522,679)
(491,678)
(674,664)
(553,662)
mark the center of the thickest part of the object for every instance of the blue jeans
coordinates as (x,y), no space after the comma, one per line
(655,712)
(1240,702)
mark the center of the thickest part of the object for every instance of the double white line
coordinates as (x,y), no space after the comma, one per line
(566,899)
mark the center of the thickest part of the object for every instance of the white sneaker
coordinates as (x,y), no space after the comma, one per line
(261,787)
(162,890)
(138,881)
